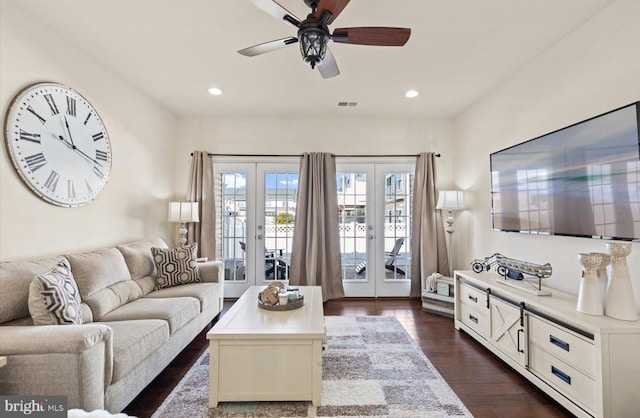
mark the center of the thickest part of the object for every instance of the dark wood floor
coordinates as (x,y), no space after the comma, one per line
(485,385)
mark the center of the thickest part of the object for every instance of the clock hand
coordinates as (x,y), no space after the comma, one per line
(67,143)
(73,147)
(68,130)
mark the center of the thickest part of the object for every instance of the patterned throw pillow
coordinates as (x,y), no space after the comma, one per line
(54,298)
(176,266)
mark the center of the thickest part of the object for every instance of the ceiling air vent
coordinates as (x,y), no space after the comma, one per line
(347,104)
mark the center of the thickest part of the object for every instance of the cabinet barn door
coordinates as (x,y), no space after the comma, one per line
(506,334)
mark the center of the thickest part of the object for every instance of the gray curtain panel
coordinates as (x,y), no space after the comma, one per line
(428,244)
(315,258)
(201,190)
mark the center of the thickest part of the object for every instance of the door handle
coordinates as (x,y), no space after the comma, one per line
(370,236)
(259,236)
(520,330)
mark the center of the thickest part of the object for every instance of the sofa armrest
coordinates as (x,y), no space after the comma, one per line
(213,271)
(64,360)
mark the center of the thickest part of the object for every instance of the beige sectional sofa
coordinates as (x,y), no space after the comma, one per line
(129,333)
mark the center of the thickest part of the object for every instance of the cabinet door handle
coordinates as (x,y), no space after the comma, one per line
(557,341)
(473,318)
(561,375)
(520,330)
(473,299)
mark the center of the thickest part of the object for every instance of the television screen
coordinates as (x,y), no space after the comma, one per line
(583,180)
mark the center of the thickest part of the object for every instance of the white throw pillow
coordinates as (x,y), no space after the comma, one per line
(54,298)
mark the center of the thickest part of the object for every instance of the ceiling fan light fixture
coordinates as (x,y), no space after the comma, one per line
(314,36)
(313,45)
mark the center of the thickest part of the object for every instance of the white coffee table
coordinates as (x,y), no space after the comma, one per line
(260,355)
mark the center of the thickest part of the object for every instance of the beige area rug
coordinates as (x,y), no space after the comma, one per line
(371,368)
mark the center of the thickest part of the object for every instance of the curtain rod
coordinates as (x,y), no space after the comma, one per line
(299,155)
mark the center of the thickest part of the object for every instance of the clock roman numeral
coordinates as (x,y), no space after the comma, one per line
(97,172)
(27,136)
(98,136)
(40,118)
(52,104)
(52,181)
(87,118)
(71,189)
(86,182)
(71,106)
(35,161)
(101,155)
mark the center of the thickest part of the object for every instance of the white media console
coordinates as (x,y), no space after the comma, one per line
(588,364)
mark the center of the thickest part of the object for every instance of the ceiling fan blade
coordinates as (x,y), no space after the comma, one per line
(372,36)
(276,10)
(328,67)
(333,6)
(259,49)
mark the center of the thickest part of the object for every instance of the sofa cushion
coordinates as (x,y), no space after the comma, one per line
(147,284)
(176,311)
(54,298)
(104,280)
(15,279)
(207,293)
(176,266)
(138,257)
(135,340)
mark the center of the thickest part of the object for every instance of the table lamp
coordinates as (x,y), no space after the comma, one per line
(183,212)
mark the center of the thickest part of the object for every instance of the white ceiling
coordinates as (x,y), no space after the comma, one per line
(174,50)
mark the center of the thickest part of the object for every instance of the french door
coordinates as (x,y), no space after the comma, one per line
(255,211)
(374,202)
(255,215)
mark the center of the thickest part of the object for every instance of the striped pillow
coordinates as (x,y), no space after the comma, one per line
(54,298)
(176,266)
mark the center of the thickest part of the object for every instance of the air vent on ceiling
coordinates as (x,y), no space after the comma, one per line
(347,104)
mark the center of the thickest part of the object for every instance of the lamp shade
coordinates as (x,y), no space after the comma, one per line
(183,212)
(451,200)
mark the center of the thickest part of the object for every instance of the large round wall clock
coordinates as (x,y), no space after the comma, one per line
(58,144)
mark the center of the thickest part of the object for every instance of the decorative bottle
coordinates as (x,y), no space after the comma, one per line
(590,296)
(620,303)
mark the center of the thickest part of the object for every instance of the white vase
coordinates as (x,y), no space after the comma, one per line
(590,296)
(620,303)
(603,276)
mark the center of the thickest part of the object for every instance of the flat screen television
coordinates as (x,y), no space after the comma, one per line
(582,180)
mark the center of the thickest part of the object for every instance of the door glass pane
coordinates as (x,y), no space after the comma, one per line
(397,225)
(281,192)
(231,221)
(352,221)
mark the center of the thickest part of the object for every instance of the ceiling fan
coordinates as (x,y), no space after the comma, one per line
(313,34)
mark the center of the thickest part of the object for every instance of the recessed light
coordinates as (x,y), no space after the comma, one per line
(411,94)
(215,91)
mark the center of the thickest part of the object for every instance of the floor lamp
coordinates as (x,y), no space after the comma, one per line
(183,212)
(450,200)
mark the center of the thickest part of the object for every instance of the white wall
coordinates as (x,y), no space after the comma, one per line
(133,204)
(295,135)
(593,70)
